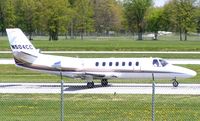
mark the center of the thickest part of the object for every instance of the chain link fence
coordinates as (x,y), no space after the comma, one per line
(117,36)
(98,107)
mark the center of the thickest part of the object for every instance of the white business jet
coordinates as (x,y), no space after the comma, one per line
(26,56)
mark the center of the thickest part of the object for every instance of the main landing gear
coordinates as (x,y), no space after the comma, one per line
(175,83)
(104,83)
(90,84)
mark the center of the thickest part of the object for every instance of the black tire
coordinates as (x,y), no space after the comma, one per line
(175,84)
(104,82)
(90,84)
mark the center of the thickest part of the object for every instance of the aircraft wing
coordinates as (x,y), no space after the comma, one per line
(184,61)
(96,76)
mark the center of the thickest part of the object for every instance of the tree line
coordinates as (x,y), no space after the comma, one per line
(83,17)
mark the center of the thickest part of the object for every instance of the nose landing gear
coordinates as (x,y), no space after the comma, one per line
(175,83)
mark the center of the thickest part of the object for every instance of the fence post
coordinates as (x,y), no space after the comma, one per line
(62,99)
(153,98)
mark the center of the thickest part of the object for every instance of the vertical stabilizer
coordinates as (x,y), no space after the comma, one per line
(19,42)
(22,49)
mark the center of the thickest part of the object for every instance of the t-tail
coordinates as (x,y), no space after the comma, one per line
(23,50)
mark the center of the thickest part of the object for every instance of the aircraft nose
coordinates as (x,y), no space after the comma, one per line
(190,73)
(186,73)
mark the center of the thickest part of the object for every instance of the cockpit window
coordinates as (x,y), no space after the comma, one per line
(163,63)
(155,63)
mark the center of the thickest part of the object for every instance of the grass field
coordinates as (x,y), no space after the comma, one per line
(168,43)
(33,107)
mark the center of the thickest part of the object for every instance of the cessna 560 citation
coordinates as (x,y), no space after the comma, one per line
(26,56)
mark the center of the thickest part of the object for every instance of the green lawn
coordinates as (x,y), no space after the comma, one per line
(16,107)
(119,45)
(167,43)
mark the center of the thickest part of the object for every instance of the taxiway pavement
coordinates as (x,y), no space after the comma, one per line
(114,88)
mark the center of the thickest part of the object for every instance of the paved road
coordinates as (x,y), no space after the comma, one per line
(172,61)
(80,88)
(7,61)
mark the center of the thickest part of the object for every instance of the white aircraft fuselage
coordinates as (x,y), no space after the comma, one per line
(26,56)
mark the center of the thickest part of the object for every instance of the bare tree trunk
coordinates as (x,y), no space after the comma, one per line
(140,32)
(140,36)
(53,33)
(181,38)
(30,36)
(72,30)
(82,34)
(156,35)
(2,31)
(50,35)
(66,35)
(186,35)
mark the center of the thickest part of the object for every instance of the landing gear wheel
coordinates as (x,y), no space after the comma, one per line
(104,82)
(90,84)
(175,83)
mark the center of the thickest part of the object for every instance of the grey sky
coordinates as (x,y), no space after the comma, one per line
(160,2)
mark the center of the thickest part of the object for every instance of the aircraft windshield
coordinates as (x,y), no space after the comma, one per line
(159,63)
(163,63)
(155,63)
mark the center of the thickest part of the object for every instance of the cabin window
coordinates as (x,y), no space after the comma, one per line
(130,63)
(97,64)
(123,63)
(110,64)
(104,64)
(137,63)
(117,63)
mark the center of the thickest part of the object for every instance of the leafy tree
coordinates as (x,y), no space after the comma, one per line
(53,15)
(10,18)
(118,16)
(107,15)
(197,13)
(198,26)
(2,15)
(168,18)
(155,21)
(183,15)
(135,11)
(84,14)
(26,11)
(72,17)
